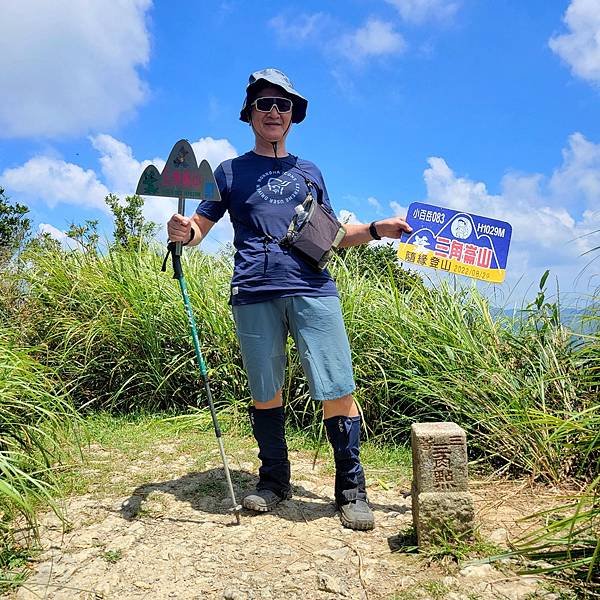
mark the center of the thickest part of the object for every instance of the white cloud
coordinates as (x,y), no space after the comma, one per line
(55,233)
(419,11)
(68,67)
(298,28)
(53,181)
(58,235)
(397,209)
(347,216)
(214,151)
(578,178)
(375,38)
(120,169)
(553,216)
(374,203)
(537,222)
(580,47)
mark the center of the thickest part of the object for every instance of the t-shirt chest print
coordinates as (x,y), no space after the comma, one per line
(277,187)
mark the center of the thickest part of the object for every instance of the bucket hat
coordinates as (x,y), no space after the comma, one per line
(265,77)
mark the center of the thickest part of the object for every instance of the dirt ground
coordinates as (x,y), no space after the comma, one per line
(174,538)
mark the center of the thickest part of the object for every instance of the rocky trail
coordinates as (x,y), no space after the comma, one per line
(173,537)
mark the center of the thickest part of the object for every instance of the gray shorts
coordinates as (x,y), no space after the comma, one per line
(317,327)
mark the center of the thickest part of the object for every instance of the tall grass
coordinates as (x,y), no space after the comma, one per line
(115,328)
(524,390)
(37,425)
(569,542)
(528,401)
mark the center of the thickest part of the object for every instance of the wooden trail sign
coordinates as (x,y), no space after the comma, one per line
(181,177)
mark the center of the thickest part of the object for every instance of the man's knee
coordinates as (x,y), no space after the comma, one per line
(340,407)
(275,402)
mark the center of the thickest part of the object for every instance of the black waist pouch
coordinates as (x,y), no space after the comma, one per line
(314,234)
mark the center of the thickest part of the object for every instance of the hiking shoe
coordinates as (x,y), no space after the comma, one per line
(263,500)
(357,515)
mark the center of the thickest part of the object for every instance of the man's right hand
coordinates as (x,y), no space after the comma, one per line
(179,228)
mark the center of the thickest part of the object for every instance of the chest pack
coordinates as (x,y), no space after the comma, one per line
(313,233)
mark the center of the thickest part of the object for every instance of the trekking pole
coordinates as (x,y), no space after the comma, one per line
(182,177)
(175,249)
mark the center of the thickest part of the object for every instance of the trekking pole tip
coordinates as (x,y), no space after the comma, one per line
(236,511)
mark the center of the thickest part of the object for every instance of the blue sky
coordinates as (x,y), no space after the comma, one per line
(477,105)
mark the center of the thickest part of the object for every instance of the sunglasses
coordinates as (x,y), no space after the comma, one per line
(283,105)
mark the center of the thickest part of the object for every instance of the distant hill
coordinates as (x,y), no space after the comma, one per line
(576,319)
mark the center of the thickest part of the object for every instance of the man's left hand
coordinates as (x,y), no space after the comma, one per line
(393,227)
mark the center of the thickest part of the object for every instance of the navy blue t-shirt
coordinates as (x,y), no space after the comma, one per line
(260,194)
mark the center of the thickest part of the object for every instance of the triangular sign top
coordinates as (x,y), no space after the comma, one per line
(181,177)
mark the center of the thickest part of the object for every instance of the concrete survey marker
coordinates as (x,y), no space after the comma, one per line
(441,502)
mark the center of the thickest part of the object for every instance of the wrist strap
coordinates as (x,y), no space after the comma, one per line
(373,231)
(192,236)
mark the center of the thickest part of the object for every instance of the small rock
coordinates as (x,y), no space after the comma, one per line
(327,583)
(337,554)
(519,590)
(483,588)
(233,595)
(123,542)
(370,574)
(103,589)
(480,571)
(498,536)
(297,567)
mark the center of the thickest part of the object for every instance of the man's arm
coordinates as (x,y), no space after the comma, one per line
(179,228)
(389,228)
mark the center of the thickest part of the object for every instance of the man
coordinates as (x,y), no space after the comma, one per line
(274,291)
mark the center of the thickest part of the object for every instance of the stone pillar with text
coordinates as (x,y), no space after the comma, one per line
(442,506)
